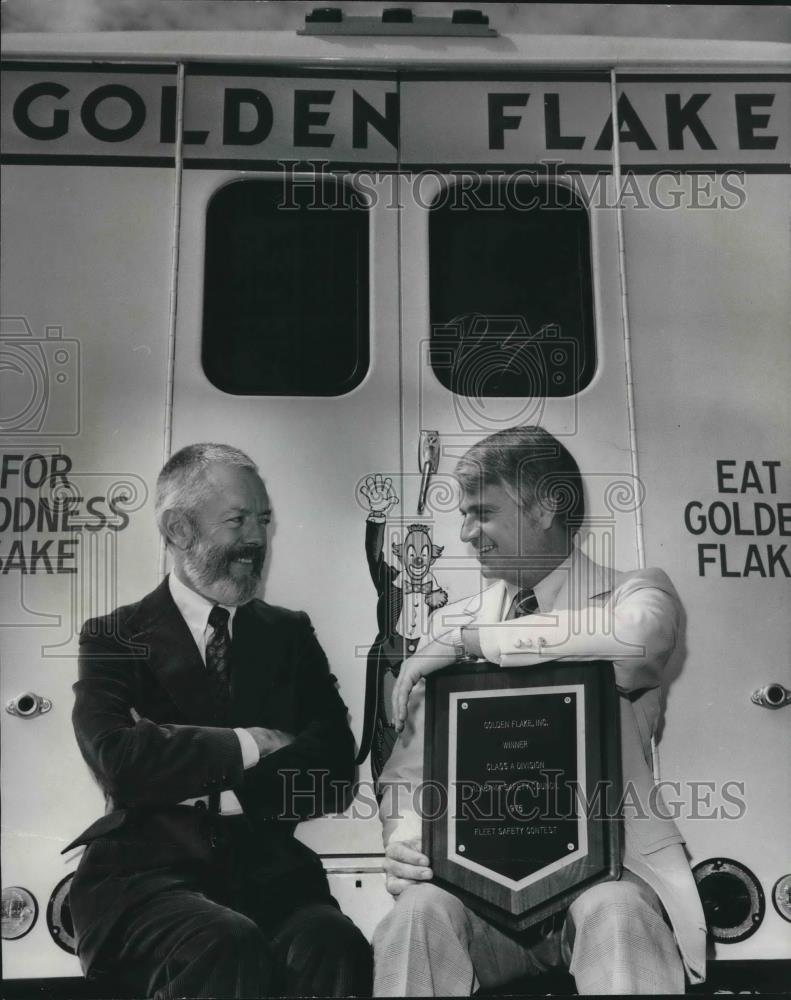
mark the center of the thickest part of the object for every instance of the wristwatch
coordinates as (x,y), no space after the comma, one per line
(455,638)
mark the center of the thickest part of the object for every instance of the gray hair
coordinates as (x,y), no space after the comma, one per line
(532,462)
(182,483)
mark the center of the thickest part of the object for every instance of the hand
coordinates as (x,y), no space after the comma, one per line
(379,493)
(431,658)
(436,599)
(269,740)
(405,865)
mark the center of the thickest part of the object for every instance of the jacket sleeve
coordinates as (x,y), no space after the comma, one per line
(313,774)
(635,627)
(382,573)
(136,761)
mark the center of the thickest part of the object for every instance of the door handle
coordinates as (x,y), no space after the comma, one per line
(428,462)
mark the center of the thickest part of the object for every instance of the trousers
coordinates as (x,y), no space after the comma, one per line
(613,939)
(188,946)
(212,931)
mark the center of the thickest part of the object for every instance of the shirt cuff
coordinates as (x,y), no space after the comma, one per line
(249,748)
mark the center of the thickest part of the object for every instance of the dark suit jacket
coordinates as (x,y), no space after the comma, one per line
(149,730)
(390,598)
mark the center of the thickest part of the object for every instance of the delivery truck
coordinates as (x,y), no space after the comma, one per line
(353,250)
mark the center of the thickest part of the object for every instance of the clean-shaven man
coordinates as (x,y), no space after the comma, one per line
(521,502)
(212,723)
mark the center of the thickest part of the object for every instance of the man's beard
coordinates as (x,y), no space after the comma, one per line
(209,569)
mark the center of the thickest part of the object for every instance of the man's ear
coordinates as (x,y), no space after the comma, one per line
(177,529)
(544,512)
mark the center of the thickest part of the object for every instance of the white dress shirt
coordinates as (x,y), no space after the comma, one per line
(195,610)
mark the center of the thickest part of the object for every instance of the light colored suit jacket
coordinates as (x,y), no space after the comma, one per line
(585,612)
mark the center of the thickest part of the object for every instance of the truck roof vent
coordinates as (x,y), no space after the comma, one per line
(469,17)
(397,15)
(325,15)
(397,21)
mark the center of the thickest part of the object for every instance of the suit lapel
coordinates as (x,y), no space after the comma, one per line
(250,677)
(487,608)
(174,658)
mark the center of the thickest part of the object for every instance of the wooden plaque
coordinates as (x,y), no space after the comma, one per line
(523,781)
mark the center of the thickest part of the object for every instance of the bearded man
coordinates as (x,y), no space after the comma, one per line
(212,723)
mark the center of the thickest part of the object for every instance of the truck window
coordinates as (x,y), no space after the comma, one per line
(285,309)
(510,289)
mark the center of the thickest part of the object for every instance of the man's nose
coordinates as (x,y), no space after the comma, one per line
(254,533)
(469,529)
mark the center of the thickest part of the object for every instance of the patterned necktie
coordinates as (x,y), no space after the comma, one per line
(524,603)
(218,656)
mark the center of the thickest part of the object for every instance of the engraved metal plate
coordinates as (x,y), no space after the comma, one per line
(523,766)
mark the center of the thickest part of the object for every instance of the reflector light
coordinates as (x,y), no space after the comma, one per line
(732,898)
(59,919)
(20,911)
(781,896)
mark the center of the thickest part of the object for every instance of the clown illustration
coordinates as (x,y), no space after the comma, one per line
(406,597)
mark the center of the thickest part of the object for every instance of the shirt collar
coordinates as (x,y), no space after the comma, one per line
(547,590)
(194,607)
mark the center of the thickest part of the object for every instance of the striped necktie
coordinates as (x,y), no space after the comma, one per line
(218,656)
(524,603)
